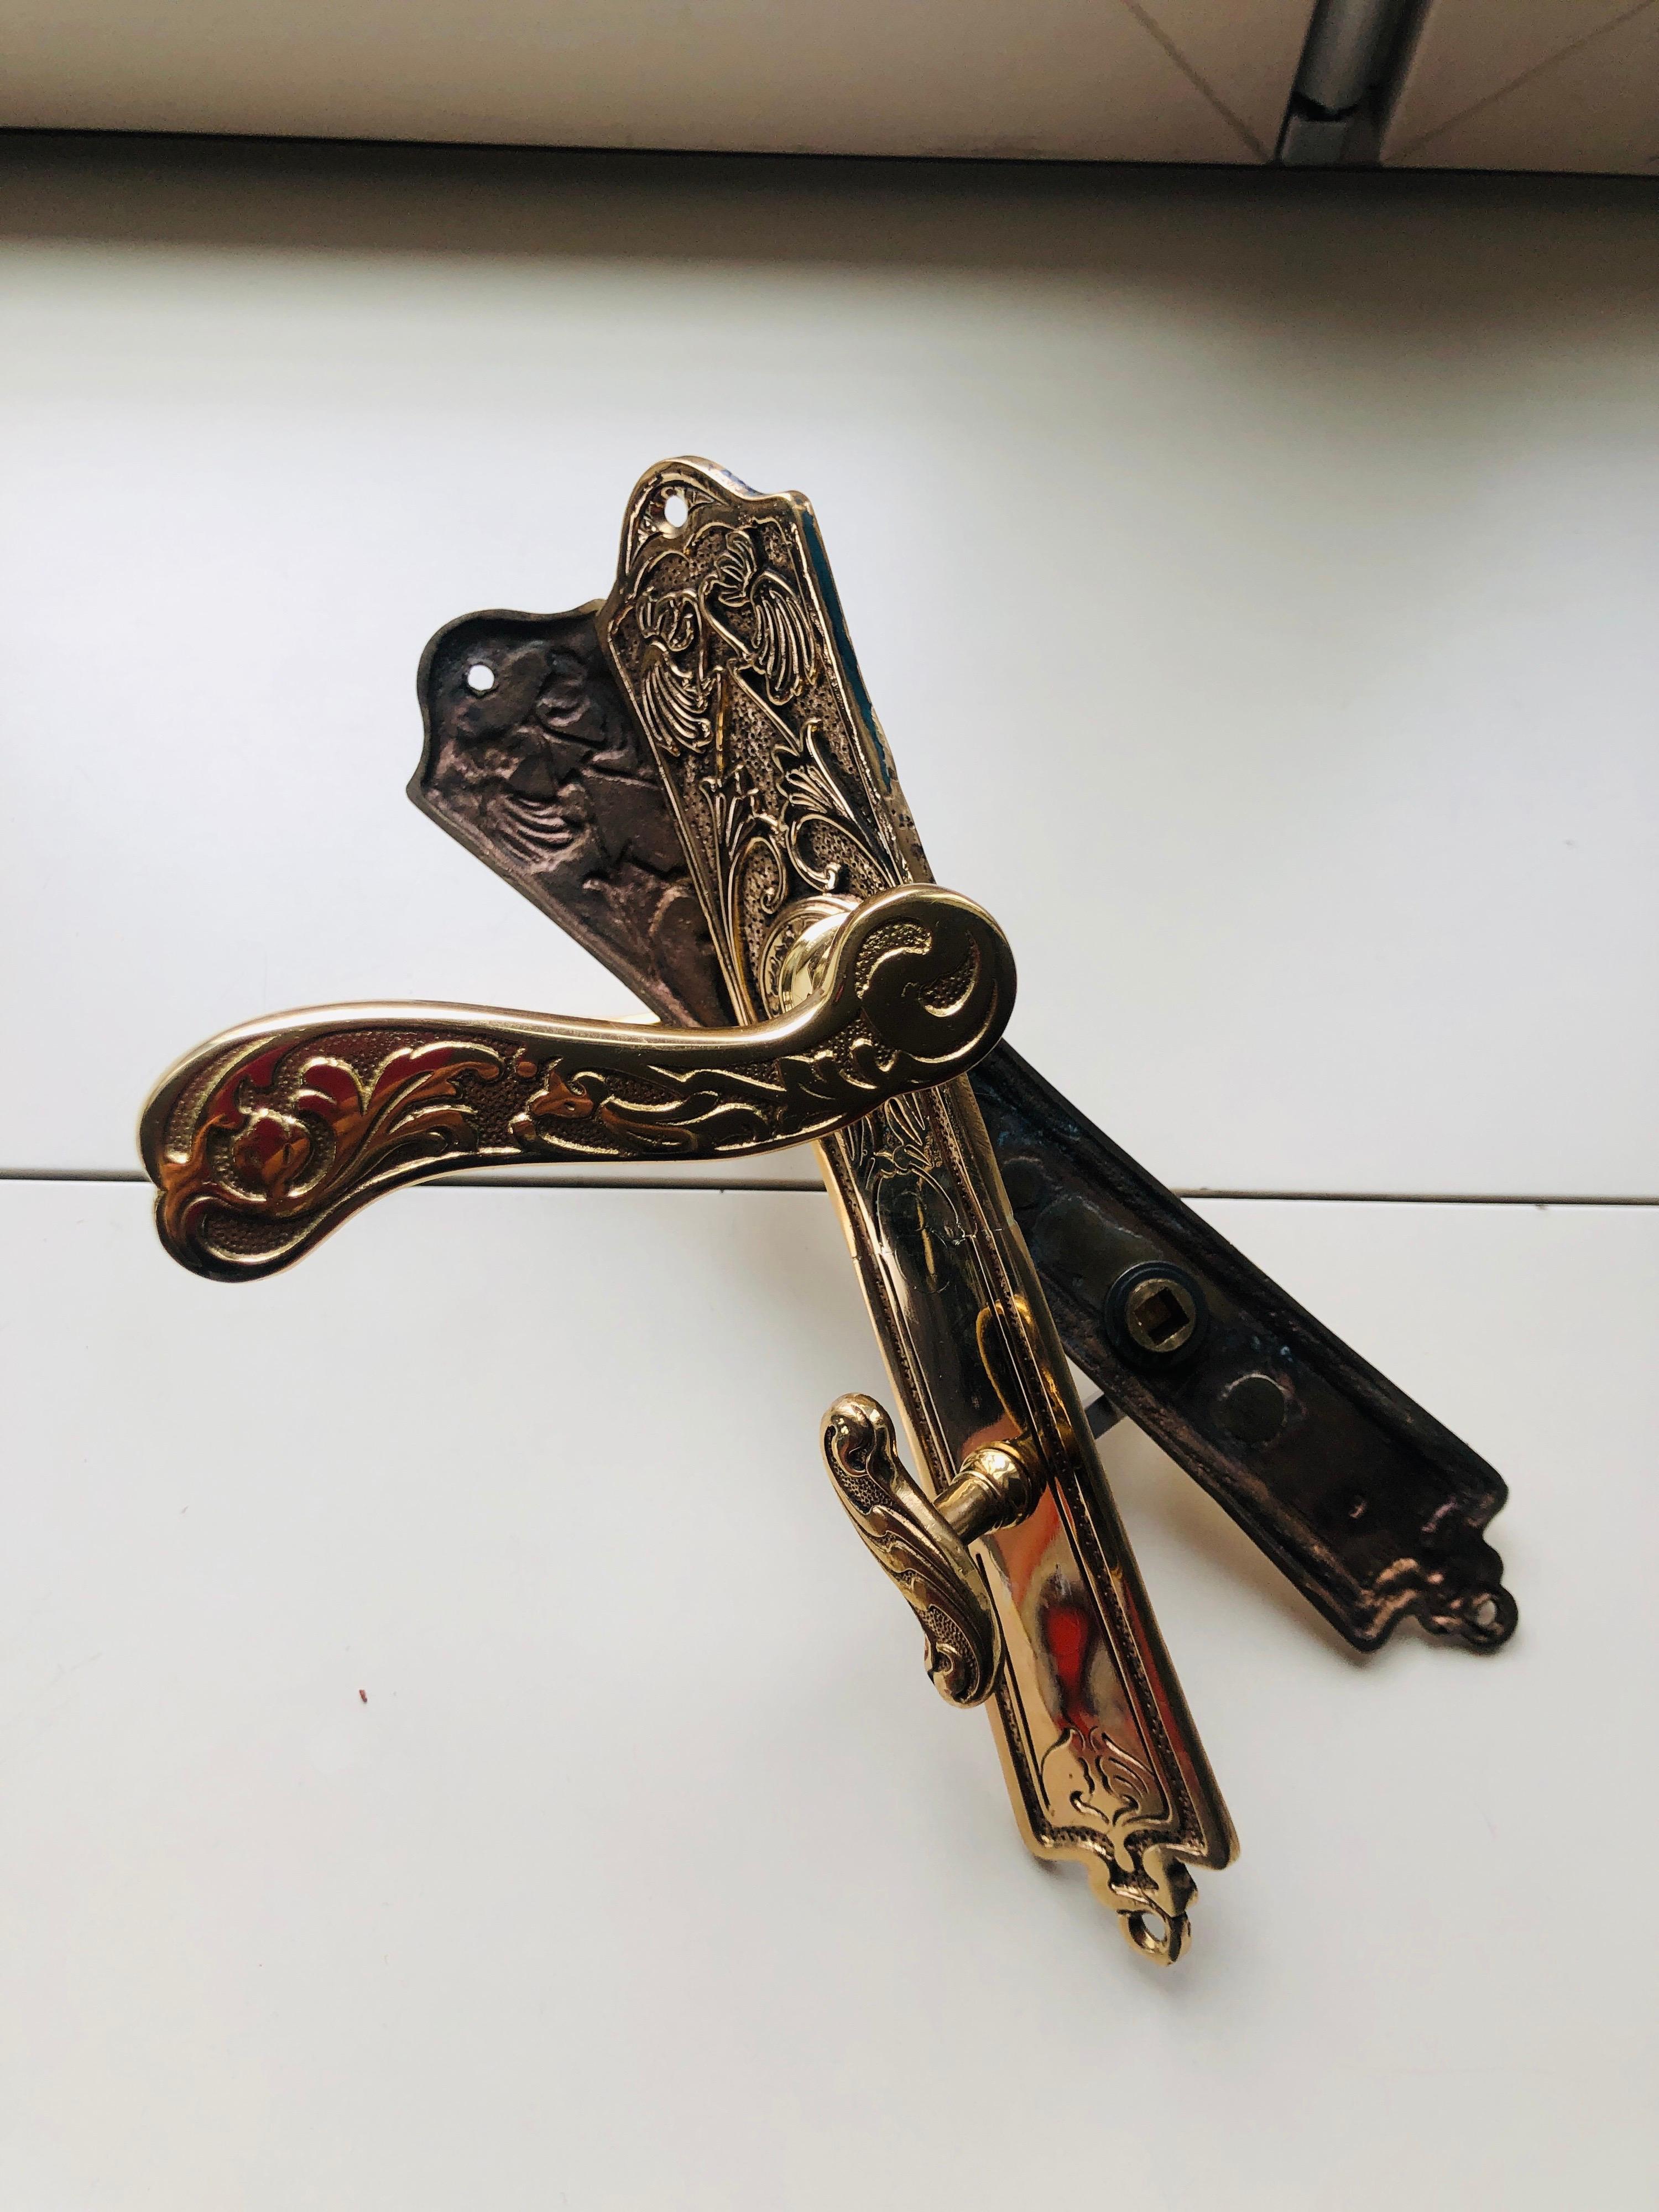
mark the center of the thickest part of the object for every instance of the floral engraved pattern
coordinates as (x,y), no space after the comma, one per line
(1117,1793)
(280,1150)
(780,647)
(698,1112)
(716,634)
(675,689)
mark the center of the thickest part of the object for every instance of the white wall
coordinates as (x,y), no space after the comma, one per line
(1255,577)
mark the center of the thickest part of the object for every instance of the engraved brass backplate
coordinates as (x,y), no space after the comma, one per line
(725,633)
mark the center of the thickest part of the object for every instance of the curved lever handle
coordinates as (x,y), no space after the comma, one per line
(921,1544)
(267,1136)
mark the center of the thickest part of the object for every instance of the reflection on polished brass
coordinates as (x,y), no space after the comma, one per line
(726,638)
(266,1137)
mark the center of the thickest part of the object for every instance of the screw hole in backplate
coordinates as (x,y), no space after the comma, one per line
(1156,1936)
(1486,1620)
(481,677)
(676,510)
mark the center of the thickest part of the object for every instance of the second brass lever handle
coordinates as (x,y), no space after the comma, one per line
(267,1136)
(922,1543)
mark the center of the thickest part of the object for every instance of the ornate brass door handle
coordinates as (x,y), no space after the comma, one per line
(691,777)
(266,1137)
(864,995)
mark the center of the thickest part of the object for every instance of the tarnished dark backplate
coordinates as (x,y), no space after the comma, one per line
(546,775)
(1371,1508)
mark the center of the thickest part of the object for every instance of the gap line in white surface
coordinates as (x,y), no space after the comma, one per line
(465,1181)
(470,1179)
(73,1175)
(1421,1197)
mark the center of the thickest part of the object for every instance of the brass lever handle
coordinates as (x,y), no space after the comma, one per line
(921,1544)
(266,1137)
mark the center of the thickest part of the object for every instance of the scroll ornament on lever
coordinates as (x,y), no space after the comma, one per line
(266,1137)
(922,1543)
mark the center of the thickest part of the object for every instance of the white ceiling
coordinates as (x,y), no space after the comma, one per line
(1088,80)
(1484,84)
(1531,84)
